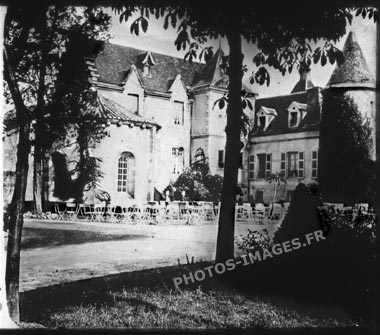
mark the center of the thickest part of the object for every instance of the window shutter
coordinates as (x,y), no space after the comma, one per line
(268,165)
(314,164)
(301,165)
(251,167)
(283,164)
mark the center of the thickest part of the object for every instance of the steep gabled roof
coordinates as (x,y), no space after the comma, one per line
(212,74)
(354,71)
(114,62)
(279,124)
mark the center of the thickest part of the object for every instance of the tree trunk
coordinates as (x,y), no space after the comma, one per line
(37,177)
(79,187)
(45,183)
(18,201)
(17,221)
(275,193)
(226,231)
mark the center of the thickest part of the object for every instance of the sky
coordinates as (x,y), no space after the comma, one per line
(157,39)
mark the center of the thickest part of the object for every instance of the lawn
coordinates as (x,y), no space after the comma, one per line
(147,299)
(45,238)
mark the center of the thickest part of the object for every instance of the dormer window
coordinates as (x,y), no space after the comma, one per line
(296,112)
(293,119)
(265,116)
(146,70)
(147,63)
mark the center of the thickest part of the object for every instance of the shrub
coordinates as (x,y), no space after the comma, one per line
(254,240)
(198,184)
(350,256)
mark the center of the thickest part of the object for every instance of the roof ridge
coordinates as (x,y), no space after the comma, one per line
(286,95)
(155,52)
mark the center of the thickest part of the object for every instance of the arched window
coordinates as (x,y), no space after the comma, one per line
(126,173)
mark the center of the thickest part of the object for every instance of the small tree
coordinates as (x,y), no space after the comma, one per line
(198,183)
(36,36)
(276,179)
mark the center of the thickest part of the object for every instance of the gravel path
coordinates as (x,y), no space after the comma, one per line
(160,246)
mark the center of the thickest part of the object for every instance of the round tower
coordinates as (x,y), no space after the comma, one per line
(354,79)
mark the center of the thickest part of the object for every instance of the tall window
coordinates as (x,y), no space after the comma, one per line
(314,164)
(126,173)
(261,159)
(251,167)
(292,164)
(178,112)
(178,160)
(221,158)
(133,103)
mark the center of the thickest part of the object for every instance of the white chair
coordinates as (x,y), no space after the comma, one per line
(142,214)
(71,211)
(207,211)
(60,213)
(111,214)
(88,212)
(98,212)
(173,212)
(127,215)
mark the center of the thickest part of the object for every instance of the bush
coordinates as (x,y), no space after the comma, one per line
(255,240)
(198,184)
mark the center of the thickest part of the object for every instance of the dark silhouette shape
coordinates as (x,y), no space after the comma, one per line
(62,179)
(302,216)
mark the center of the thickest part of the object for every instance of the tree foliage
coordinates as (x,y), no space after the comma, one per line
(198,183)
(51,68)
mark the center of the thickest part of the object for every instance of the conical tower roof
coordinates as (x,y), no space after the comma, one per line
(354,71)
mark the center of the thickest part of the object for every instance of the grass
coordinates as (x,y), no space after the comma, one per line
(147,299)
(42,238)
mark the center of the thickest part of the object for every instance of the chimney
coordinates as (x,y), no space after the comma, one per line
(304,83)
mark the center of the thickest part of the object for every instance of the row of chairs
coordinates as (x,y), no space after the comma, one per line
(176,212)
(156,213)
(260,214)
